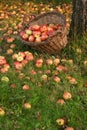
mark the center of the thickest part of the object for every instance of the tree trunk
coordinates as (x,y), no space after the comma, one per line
(79,18)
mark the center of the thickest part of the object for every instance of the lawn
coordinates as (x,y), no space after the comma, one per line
(40,91)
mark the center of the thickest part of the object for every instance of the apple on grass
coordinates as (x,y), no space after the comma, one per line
(3,61)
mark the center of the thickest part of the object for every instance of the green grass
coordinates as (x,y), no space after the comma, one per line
(43,95)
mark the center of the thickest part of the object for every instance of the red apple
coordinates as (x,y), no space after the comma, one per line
(33,72)
(67,95)
(36,33)
(60,101)
(22,33)
(43,28)
(25,36)
(39,62)
(18,65)
(29,56)
(7,66)
(24,62)
(4,70)
(26,87)
(31,38)
(44,37)
(22,54)
(69,128)
(34,27)
(3,61)
(50,31)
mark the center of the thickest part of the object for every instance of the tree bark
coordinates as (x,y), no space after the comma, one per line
(79,18)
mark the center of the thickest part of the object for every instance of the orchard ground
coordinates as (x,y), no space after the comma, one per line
(40,91)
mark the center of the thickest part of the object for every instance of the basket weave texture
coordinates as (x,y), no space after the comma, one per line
(54,43)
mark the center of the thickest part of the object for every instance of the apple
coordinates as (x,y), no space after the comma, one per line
(56,79)
(31,38)
(25,36)
(24,62)
(22,33)
(22,54)
(9,51)
(14,56)
(49,61)
(73,81)
(38,39)
(10,39)
(43,28)
(12,46)
(39,63)
(3,70)
(44,37)
(29,56)
(36,33)
(44,77)
(33,72)
(7,66)
(28,31)
(2,112)
(50,31)
(13,85)
(60,121)
(18,65)
(34,27)
(69,128)
(26,87)
(60,101)
(27,105)
(20,58)
(67,95)
(5,78)
(2,61)
(56,61)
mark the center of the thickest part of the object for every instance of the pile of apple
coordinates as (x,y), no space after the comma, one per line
(37,34)
(21,59)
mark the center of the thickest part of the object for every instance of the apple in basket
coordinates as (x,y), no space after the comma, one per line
(43,28)
(31,38)
(36,33)
(28,31)
(50,31)
(44,36)
(34,27)
(24,35)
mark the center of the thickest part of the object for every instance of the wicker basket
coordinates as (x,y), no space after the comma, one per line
(54,43)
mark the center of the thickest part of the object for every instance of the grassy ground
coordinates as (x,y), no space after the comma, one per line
(36,106)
